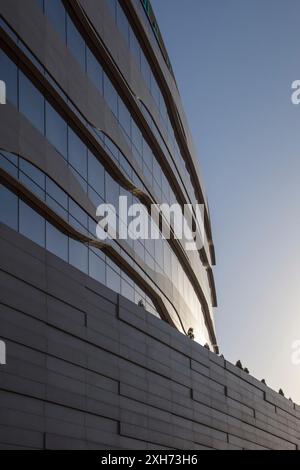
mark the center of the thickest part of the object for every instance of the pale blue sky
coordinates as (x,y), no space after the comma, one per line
(234,61)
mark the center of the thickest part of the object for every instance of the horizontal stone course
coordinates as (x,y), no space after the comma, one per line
(87,369)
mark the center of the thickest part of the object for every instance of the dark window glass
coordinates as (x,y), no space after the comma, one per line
(137,137)
(34,173)
(149,260)
(167,260)
(56,131)
(155,90)
(8,208)
(77,154)
(112,190)
(147,173)
(56,242)
(157,173)
(9,163)
(145,68)
(157,189)
(96,174)
(56,207)
(81,181)
(56,193)
(135,48)
(110,95)
(78,255)
(75,43)
(32,225)
(31,103)
(32,186)
(147,155)
(112,5)
(94,71)
(138,157)
(122,23)
(112,148)
(125,166)
(113,280)
(9,74)
(56,13)
(124,117)
(96,267)
(78,213)
(94,197)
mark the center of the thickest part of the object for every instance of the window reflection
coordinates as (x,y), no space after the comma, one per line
(8,208)
(56,131)
(32,225)
(31,102)
(9,74)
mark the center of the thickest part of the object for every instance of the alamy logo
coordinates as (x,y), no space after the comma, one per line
(295,357)
(2,353)
(2,92)
(161,221)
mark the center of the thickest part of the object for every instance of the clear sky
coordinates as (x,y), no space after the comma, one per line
(235,61)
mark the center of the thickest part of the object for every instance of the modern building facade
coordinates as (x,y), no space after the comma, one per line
(96,334)
(92,113)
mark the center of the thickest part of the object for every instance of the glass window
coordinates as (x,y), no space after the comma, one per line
(113,280)
(94,197)
(56,13)
(56,199)
(56,193)
(56,242)
(9,163)
(32,225)
(97,266)
(31,103)
(32,186)
(155,90)
(77,154)
(147,155)
(125,165)
(147,174)
(110,95)
(78,213)
(8,208)
(112,190)
(157,171)
(78,255)
(96,174)
(94,71)
(167,259)
(41,4)
(139,249)
(34,173)
(122,23)
(9,74)
(56,131)
(124,117)
(112,148)
(56,207)
(127,290)
(137,137)
(75,42)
